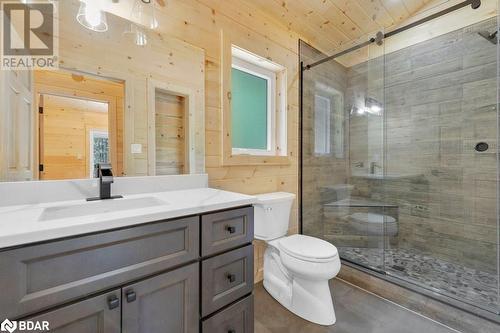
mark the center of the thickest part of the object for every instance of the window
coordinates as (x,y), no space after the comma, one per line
(322,111)
(257,126)
(328,121)
(99,149)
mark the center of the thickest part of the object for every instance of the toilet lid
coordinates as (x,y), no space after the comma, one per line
(308,248)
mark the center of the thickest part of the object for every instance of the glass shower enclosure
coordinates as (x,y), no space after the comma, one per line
(399,159)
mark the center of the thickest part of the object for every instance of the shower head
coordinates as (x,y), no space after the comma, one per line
(491,37)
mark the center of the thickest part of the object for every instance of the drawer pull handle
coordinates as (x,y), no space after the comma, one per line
(113,302)
(231,278)
(231,331)
(231,229)
(131,296)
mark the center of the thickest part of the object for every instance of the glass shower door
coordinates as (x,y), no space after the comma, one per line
(342,150)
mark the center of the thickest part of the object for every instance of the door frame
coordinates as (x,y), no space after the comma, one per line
(189,95)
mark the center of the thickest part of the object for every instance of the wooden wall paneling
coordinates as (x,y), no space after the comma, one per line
(413,5)
(165,59)
(355,11)
(396,9)
(185,144)
(189,53)
(377,12)
(330,15)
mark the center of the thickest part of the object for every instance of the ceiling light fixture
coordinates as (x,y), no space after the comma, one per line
(91,15)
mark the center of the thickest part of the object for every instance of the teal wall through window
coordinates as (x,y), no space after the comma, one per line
(249,110)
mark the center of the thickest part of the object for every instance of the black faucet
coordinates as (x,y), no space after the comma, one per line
(104,172)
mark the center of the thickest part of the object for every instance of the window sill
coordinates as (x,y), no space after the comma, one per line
(235,160)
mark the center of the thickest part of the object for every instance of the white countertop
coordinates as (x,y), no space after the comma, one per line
(24,224)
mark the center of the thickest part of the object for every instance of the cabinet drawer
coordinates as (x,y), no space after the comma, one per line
(100,314)
(225,278)
(237,318)
(226,230)
(41,276)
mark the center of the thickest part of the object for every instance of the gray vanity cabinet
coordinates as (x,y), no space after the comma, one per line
(100,314)
(164,303)
(237,318)
(180,275)
(222,231)
(42,276)
(226,278)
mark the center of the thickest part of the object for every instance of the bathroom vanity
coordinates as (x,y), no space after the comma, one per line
(188,272)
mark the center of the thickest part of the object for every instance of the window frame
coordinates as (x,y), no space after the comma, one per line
(270,77)
(247,52)
(327,121)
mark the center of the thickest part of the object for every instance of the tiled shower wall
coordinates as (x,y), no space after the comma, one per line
(440,100)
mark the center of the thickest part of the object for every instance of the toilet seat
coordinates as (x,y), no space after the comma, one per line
(308,248)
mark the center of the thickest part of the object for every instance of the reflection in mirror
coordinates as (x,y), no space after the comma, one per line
(78,125)
(125,95)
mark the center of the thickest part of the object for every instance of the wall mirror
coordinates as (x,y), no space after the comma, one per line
(123,93)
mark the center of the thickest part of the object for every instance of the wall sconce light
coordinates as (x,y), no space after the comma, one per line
(91,16)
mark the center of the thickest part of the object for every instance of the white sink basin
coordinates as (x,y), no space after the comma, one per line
(98,207)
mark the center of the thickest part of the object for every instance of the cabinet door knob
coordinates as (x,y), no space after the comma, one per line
(231,229)
(130,295)
(231,277)
(113,302)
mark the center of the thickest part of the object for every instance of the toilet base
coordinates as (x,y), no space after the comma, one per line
(307,299)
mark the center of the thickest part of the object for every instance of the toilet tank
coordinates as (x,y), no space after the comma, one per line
(272,213)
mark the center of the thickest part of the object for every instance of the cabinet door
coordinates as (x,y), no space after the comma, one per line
(164,303)
(100,314)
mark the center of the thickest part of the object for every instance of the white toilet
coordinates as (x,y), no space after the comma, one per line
(296,268)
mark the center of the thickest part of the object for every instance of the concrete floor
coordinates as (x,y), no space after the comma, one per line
(357,312)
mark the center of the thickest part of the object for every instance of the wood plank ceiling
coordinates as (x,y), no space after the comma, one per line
(331,24)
